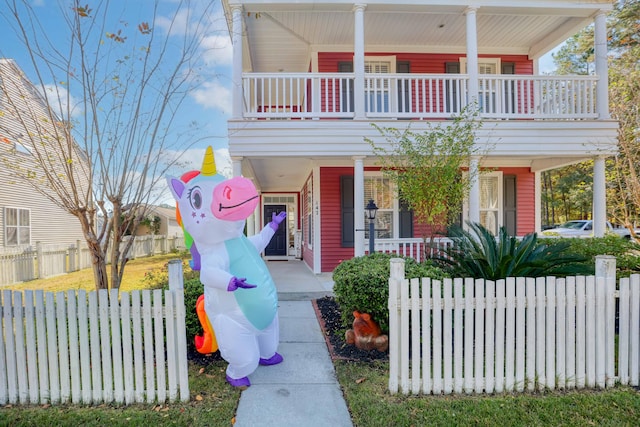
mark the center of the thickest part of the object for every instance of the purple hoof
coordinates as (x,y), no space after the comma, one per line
(241,383)
(273,360)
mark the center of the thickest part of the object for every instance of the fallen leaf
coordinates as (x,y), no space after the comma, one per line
(199,398)
(201,371)
(360,380)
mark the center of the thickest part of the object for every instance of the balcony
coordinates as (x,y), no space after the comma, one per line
(314,96)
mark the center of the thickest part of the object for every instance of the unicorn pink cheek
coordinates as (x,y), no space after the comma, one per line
(234,199)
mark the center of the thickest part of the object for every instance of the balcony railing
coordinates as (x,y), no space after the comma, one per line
(417,96)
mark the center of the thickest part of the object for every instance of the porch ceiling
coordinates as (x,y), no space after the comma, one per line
(287,174)
(283,36)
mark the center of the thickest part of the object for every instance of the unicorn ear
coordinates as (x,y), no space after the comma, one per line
(176,186)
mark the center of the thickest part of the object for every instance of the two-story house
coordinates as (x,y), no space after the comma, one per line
(311,76)
(26,215)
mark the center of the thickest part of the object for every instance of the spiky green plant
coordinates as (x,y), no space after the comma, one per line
(478,253)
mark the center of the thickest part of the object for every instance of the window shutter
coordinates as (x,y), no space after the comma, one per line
(451,91)
(509,204)
(347,211)
(404,92)
(347,93)
(509,89)
(406,220)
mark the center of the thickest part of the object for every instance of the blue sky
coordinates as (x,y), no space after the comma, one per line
(209,104)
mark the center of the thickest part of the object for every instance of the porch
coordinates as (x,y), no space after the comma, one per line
(313,96)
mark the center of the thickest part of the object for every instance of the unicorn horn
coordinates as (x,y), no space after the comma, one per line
(209,163)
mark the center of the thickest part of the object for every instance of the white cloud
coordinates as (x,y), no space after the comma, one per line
(176,26)
(213,95)
(62,103)
(217,50)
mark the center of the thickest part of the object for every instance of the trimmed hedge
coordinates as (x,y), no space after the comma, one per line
(627,253)
(362,283)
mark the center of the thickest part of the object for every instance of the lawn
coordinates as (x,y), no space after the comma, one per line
(213,402)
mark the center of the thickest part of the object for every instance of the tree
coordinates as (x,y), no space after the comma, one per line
(112,91)
(426,168)
(576,56)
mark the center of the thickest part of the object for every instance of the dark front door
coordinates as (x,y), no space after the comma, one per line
(278,244)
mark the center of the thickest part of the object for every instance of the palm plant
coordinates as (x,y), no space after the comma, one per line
(477,253)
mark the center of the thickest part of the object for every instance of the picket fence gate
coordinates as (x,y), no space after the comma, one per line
(477,336)
(95,347)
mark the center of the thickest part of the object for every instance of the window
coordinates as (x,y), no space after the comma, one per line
(487,90)
(17,226)
(377,88)
(380,190)
(491,201)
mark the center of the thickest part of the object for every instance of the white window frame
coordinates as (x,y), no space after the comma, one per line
(485,90)
(395,208)
(18,226)
(498,175)
(386,90)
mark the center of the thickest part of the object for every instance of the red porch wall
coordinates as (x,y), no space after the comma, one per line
(525,204)
(420,62)
(525,199)
(331,221)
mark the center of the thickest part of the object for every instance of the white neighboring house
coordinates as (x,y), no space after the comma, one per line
(168,223)
(26,216)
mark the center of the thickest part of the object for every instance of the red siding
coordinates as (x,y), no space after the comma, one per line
(525,199)
(433,63)
(331,222)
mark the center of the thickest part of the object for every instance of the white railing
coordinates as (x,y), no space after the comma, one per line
(412,247)
(417,96)
(96,347)
(477,336)
(42,261)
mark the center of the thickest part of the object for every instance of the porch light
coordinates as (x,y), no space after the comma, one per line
(371,209)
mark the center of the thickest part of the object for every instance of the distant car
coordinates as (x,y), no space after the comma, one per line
(582,228)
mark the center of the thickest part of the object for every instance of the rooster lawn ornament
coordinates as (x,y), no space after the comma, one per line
(240,300)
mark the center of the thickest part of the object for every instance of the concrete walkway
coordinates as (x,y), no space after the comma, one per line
(303,389)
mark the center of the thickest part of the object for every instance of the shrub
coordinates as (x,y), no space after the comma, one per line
(627,253)
(362,283)
(192,290)
(477,253)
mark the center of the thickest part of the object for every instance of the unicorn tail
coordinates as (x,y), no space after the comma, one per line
(205,343)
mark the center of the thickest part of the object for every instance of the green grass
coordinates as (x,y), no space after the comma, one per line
(365,389)
(213,402)
(134,276)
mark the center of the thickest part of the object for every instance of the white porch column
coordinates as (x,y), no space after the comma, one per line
(236,40)
(537,194)
(358,205)
(474,192)
(602,66)
(358,60)
(472,53)
(253,222)
(599,198)
(236,166)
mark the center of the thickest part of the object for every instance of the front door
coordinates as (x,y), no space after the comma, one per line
(278,244)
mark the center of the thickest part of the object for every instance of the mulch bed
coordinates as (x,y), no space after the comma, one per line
(328,314)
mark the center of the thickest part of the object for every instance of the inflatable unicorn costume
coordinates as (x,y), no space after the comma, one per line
(240,298)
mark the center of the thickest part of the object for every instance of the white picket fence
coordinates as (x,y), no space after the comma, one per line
(94,347)
(477,336)
(28,263)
